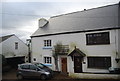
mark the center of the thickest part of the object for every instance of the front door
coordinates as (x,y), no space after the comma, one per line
(64,64)
(77,64)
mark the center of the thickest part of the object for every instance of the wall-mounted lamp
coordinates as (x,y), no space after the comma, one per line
(117,59)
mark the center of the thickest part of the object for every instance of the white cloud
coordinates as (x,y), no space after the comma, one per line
(61,1)
(42,0)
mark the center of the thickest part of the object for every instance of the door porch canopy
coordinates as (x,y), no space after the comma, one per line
(76,52)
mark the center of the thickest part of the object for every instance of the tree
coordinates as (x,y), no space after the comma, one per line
(3,59)
(59,49)
(4,65)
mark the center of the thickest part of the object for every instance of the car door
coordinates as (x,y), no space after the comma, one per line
(33,72)
(25,70)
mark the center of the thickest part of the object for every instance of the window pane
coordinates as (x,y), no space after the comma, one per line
(99,62)
(97,38)
(47,59)
(50,60)
(47,43)
(16,45)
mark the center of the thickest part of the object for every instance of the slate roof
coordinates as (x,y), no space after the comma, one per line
(92,19)
(3,38)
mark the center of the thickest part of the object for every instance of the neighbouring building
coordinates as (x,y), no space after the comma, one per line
(14,49)
(92,37)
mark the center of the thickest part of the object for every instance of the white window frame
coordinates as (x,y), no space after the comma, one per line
(47,43)
(16,45)
(47,60)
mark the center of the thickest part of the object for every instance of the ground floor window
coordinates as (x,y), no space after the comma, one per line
(48,60)
(99,62)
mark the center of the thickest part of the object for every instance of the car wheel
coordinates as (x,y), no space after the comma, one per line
(20,77)
(43,77)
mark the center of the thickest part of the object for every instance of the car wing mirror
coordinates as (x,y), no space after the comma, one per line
(37,69)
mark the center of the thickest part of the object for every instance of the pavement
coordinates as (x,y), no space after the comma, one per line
(95,76)
(11,75)
(61,76)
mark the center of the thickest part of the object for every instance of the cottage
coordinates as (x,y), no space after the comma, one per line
(14,49)
(92,37)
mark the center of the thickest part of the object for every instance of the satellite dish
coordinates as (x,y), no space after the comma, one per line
(42,22)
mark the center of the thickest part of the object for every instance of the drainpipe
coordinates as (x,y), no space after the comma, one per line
(29,50)
(117,58)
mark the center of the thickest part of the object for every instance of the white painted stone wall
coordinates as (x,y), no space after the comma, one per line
(8,48)
(78,40)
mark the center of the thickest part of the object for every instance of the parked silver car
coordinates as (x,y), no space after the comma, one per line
(35,70)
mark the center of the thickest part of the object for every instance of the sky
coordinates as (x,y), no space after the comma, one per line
(20,17)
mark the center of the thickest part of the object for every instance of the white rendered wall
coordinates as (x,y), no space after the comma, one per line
(118,42)
(78,40)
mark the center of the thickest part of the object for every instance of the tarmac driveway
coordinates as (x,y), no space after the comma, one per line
(11,76)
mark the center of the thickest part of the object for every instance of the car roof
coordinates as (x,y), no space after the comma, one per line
(26,64)
(30,63)
(36,63)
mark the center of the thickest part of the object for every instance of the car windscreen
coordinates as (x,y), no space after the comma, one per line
(40,65)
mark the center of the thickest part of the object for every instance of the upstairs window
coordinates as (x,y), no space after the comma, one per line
(98,38)
(47,60)
(47,43)
(16,45)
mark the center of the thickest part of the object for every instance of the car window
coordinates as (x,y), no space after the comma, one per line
(25,66)
(39,65)
(32,67)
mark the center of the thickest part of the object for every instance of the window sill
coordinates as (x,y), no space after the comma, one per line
(48,65)
(96,44)
(96,68)
(47,47)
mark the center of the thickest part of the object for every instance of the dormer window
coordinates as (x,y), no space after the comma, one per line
(42,22)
